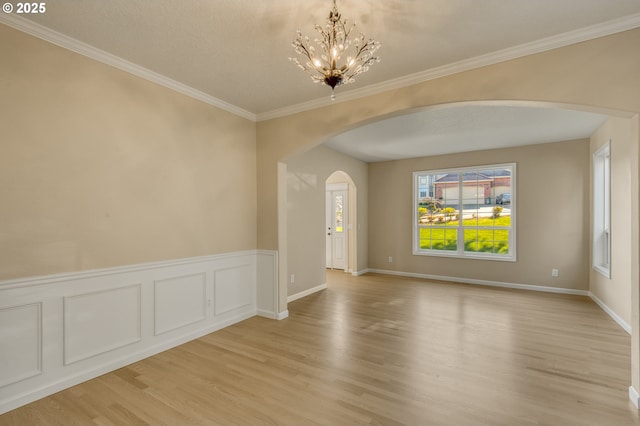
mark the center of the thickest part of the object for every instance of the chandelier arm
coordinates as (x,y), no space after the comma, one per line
(368,46)
(322,62)
(346,31)
(306,52)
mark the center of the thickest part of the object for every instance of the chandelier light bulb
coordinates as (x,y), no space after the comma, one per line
(333,41)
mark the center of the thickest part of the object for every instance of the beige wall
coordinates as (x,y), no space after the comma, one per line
(601,74)
(616,292)
(99,168)
(307,174)
(552,191)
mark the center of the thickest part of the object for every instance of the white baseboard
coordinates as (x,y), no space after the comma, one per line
(483,282)
(266,314)
(634,396)
(622,323)
(358,273)
(306,292)
(141,310)
(271,315)
(98,370)
(282,315)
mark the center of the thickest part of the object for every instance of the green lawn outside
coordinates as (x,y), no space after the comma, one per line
(483,240)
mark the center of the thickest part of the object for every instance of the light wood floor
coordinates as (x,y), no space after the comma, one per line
(376,350)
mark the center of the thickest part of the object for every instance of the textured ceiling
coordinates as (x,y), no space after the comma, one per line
(465,127)
(237,50)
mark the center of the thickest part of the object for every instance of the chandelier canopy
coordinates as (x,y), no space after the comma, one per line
(325,65)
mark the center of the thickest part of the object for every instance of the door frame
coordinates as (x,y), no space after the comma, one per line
(330,188)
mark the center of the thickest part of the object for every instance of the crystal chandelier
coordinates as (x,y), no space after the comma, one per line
(324,65)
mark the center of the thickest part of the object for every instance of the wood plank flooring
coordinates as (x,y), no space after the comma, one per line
(376,350)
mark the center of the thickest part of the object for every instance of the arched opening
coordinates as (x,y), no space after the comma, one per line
(341,222)
(321,166)
(567,77)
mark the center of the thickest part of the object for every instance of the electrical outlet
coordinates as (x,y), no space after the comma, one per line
(554,272)
(390,259)
(293,278)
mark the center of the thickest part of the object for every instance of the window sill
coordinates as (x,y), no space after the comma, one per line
(606,272)
(456,255)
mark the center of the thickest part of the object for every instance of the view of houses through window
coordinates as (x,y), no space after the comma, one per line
(468,212)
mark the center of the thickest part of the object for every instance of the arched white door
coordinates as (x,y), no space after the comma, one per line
(336,226)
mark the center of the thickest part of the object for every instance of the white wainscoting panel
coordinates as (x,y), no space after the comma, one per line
(99,322)
(232,289)
(60,330)
(20,343)
(267,292)
(179,301)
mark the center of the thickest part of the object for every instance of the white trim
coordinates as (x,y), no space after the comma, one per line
(622,323)
(330,188)
(266,314)
(267,284)
(75,379)
(572,37)
(337,186)
(554,42)
(529,287)
(60,372)
(92,52)
(282,315)
(92,273)
(601,210)
(20,374)
(460,252)
(306,292)
(634,396)
(361,272)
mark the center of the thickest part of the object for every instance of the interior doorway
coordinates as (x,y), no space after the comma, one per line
(337,213)
(341,222)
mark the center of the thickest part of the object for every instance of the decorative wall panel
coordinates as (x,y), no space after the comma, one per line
(179,301)
(98,322)
(60,330)
(233,289)
(20,343)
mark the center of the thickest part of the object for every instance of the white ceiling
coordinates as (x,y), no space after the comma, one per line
(461,128)
(235,52)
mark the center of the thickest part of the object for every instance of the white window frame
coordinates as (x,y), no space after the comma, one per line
(460,252)
(601,205)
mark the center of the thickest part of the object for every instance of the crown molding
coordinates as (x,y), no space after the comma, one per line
(538,46)
(64,41)
(584,34)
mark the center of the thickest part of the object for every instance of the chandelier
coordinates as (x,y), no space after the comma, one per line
(325,66)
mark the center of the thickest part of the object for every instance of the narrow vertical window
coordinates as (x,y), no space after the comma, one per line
(601,244)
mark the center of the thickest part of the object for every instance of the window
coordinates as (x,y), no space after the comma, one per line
(467,212)
(601,256)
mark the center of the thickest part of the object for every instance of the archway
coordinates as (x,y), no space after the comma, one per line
(308,144)
(341,206)
(344,125)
